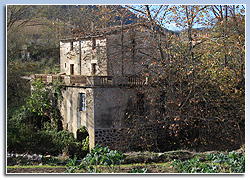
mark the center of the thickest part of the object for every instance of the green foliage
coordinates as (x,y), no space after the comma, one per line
(85,144)
(39,99)
(62,139)
(143,170)
(96,156)
(44,102)
(193,166)
(34,127)
(71,166)
(22,138)
(17,89)
(233,163)
(82,129)
(113,158)
(83,139)
(19,136)
(35,124)
(99,155)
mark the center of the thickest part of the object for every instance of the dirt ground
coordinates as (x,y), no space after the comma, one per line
(152,168)
(36,170)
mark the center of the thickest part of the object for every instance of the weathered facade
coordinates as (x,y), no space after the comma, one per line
(108,85)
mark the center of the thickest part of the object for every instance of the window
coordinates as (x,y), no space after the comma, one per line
(65,65)
(71,45)
(71,69)
(93,66)
(93,43)
(82,101)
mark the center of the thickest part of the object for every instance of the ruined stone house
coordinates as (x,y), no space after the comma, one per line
(109,87)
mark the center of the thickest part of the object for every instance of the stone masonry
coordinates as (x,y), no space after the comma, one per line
(106,74)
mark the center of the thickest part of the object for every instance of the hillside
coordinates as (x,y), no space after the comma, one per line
(78,16)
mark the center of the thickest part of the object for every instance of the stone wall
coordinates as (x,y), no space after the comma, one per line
(82,55)
(130,51)
(110,111)
(146,137)
(124,52)
(73,117)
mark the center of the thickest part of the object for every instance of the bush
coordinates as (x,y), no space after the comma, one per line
(34,128)
(24,137)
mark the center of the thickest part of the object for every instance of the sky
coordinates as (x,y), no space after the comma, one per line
(118,2)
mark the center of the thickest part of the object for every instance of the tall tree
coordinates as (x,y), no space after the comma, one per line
(195,86)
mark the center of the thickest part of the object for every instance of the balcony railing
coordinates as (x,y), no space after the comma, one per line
(80,80)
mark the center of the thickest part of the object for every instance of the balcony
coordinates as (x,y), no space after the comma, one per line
(90,81)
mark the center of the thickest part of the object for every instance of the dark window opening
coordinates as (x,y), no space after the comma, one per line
(71,69)
(93,68)
(82,101)
(93,43)
(71,45)
(65,64)
(140,103)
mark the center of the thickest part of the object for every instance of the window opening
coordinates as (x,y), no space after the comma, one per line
(71,69)
(82,101)
(93,68)
(93,43)
(71,45)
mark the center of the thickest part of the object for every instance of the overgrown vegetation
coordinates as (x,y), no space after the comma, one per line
(36,127)
(215,163)
(199,74)
(202,85)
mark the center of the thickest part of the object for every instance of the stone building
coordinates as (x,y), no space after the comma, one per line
(109,86)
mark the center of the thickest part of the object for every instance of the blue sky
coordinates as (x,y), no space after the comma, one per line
(3,64)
